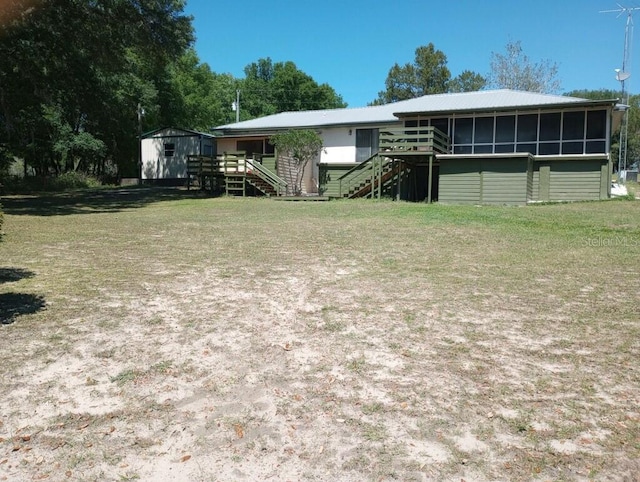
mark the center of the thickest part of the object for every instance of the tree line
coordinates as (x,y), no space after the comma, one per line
(80,79)
(73,73)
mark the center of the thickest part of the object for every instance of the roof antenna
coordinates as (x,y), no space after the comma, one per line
(622,75)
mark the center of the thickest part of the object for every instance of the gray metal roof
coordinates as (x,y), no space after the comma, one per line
(186,132)
(484,100)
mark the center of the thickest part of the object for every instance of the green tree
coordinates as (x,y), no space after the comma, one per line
(269,88)
(73,73)
(299,146)
(427,74)
(467,81)
(201,98)
(513,69)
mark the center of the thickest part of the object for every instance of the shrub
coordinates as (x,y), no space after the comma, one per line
(72,180)
(66,181)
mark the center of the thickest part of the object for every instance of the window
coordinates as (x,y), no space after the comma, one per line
(366,143)
(463,131)
(482,149)
(549,148)
(572,147)
(597,124)
(527,128)
(573,125)
(250,147)
(462,149)
(549,133)
(596,147)
(483,130)
(169,149)
(550,126)
(543,133)
(269,148)
(441,124)
(501,148)
(530,148)
(505,129)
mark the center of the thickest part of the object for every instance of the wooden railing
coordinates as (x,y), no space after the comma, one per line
(233,164)
(414,140)
(257,169)
(363,175)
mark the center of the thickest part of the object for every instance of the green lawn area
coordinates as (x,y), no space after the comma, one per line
(150,334)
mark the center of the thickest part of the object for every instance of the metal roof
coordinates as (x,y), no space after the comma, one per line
(188,132)
(484,100)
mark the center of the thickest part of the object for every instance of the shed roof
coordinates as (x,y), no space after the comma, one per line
(484,100)
(174,132)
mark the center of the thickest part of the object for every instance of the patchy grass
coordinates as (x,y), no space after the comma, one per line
(163,333)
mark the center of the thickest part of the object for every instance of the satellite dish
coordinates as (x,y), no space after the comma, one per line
(621,75)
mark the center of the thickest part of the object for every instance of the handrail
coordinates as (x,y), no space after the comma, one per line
(279,184)
(360,173)
(414,139)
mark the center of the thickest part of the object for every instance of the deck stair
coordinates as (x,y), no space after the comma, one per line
(369,178)
(235,174)
(386,175)
(263,179)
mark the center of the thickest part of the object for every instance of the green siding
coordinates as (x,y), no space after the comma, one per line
(535,185)
(605,180)
(571,180)
(483,180)
(459,181)
(329,176)
(504,181)
(545,182)
(270,163)
(575,181)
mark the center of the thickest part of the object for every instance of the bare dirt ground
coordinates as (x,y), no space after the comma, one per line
(224,339)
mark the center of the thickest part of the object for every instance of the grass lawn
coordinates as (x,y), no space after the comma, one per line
(160,335)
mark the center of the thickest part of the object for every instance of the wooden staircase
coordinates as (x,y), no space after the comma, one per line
(236,174)
(370,178)
(389,172)
(261,185)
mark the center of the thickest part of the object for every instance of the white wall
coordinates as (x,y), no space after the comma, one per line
(338,145)
(155,165)
(227,145)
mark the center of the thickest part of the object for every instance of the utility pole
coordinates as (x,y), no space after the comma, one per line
(236,105)
(140,114)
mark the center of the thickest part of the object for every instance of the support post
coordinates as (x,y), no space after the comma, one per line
(379,159)
(399,195)
(430,180)
(140,114)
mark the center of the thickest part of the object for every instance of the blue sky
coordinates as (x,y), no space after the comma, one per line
(352,44)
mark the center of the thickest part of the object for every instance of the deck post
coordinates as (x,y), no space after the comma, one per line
(379,161)
(399,194)
(430,180)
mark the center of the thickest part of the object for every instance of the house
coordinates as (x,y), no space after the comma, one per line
(164,154)
(493,146)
